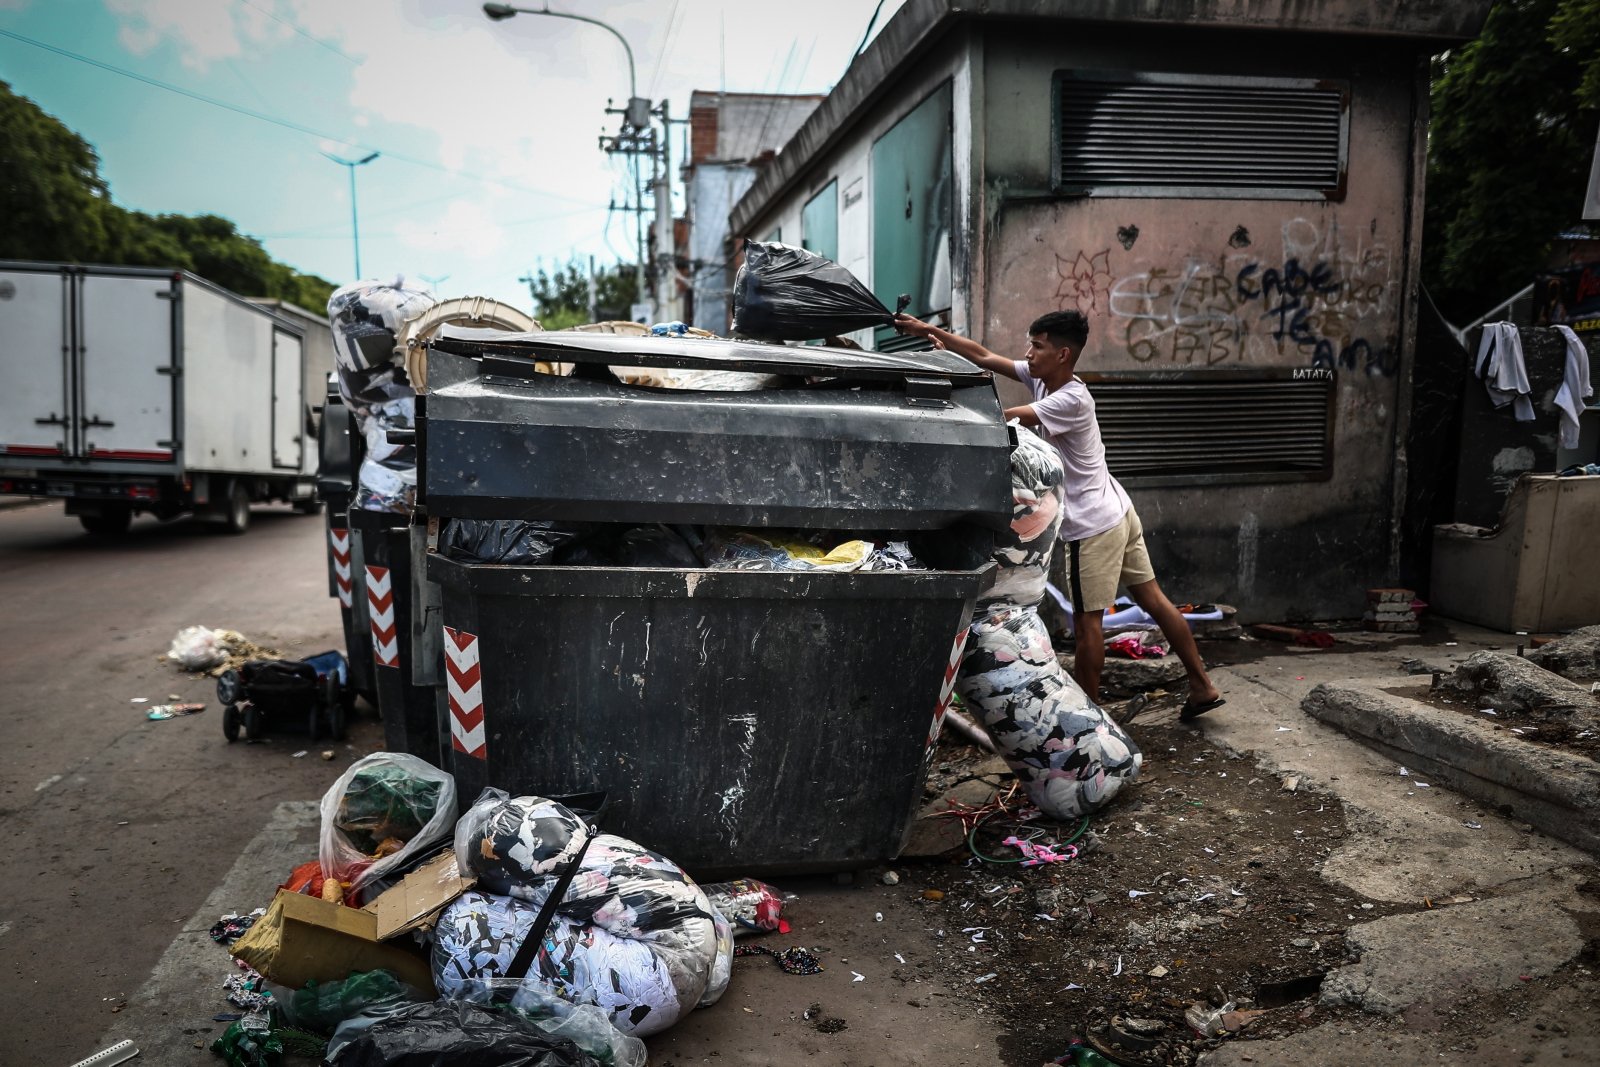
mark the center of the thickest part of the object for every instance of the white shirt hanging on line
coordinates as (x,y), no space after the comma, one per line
(1575,387)
(1503,371)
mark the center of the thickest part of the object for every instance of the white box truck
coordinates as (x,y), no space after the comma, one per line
(127,389)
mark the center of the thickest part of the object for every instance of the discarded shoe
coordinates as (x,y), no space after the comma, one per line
(1192,710)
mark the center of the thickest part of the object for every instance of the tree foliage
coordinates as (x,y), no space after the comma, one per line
(56,206)
(1515,113)
(562,296)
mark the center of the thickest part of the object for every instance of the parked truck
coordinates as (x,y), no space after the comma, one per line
(126,390)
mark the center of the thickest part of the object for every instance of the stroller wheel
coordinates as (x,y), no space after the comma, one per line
(229,688)
(252,723)
(314,723)
(230,722)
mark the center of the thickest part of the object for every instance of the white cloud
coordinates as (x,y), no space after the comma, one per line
(465,227)
(205,31)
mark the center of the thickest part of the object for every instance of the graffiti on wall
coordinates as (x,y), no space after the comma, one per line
(1322,300)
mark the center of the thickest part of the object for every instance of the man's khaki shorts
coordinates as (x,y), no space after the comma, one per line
(1096,565)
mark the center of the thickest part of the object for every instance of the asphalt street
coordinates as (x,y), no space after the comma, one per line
(119,827)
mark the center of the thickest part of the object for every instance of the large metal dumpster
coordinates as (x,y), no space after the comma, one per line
(758,721)
(335,484)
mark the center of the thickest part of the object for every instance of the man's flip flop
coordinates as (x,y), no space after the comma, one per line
(1192,710)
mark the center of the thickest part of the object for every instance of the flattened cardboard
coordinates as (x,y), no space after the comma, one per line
(302,938)
(419,896)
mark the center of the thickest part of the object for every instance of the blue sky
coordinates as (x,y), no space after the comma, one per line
(488,131)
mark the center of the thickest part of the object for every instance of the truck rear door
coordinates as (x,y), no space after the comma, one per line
(288,410)
(125,339)
(35,333)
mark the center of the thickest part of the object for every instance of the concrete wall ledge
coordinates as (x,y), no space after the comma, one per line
(1555,791)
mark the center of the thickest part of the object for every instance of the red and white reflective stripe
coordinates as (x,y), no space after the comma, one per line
(464,685)
(340,542)
(153,455)
(947,691)
(380,608)
(30,450)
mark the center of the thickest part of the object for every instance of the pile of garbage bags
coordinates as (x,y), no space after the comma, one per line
(366,318)
(1069,755)
(543,941)
(633,934)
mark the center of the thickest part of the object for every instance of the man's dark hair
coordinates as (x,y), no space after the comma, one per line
(1062,327)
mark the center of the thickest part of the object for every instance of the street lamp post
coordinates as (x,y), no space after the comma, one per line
(355,230)
(637,113)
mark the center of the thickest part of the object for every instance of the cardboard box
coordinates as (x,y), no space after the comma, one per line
(302,938)
(419,897)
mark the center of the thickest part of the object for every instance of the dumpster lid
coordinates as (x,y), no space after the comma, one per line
(513,354)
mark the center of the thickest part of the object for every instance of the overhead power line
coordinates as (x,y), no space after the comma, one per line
(287,124)
(341,53)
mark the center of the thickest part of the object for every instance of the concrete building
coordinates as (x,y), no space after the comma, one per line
(1231,190)
(731,137)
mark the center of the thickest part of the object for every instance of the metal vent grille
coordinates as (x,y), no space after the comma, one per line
(1199,427)
(1159,134)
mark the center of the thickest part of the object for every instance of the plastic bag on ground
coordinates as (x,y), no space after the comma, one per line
(386,808)
(753,907)
(322,1006)
(198,648)
(633,934)
(1070,756)
(788,294)
(583,1024)
(453,1034)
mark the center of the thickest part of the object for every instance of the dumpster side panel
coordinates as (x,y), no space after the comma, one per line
(780,727)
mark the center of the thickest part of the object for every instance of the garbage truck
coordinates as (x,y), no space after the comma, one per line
(131,390)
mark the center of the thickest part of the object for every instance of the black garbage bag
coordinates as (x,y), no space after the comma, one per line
(514,541)
(632,546)
(789,294)
(454,1033)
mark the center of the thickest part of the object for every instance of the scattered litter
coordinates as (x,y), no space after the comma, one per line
(1135,894)
(984,978)
(1046,918)
(1404,773)
(172,711)
(1208,851)
(856,976)
(1119,967)
(1451,644)
(1285,729)
(877,916)
(1424,785)
(1366,907)
(899,957)
(890,878)
(1207,1022)
(1157,971)
(1235,892)
(139,700)
(933,894)
(1202,899)
(1488,711)
(1472,825)
(1291,784)
(1069,986)
(302,752)
(327,753)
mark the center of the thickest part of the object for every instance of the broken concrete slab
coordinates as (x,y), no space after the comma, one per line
(1510,683)
(1556,791)
(1477,947)
(1575,657)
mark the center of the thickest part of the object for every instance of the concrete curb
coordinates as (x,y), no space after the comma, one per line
(1557,792)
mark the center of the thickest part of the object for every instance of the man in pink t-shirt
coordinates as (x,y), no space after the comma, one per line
(1101,529)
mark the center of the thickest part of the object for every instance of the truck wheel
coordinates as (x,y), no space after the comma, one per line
(109,523)
(237,519)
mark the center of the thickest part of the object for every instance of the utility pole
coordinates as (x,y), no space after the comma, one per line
(666,232)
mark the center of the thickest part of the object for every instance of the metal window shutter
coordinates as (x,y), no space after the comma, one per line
(1194,429)
(1191,135)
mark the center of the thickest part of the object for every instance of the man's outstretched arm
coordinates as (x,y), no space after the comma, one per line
(961,346)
